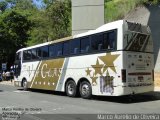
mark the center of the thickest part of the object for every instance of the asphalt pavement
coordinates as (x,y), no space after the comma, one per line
(49,105)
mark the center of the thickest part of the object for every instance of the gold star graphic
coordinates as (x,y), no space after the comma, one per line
(94,80)
(108,60)
(97,68)
(88,71)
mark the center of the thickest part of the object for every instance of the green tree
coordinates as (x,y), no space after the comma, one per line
(14,29)
(3,6)
(59,16)
(51,22)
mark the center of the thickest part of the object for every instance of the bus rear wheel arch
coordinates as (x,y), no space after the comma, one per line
(71,88)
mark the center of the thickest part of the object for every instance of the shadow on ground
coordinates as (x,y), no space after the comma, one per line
(128,99)
(45,92)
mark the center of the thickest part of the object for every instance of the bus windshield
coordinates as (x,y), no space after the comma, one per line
(17,63)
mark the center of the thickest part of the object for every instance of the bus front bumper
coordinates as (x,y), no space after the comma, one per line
(17,83)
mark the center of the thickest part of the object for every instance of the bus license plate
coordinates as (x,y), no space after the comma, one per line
(140,78)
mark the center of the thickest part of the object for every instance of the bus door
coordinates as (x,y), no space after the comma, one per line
(17,64)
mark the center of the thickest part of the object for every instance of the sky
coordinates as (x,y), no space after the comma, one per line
(38,3)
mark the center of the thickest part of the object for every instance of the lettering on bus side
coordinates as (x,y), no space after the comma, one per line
(48,74)
(52,72)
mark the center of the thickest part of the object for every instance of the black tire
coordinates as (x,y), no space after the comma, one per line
(70,88)
(85,90)
(24,84)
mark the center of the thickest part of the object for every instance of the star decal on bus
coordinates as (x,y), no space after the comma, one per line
(103,63)
(97,68)
(94,80)
(88,71)
(108,60)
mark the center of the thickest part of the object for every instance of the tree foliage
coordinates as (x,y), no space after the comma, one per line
(59,14)
(14,29)
(23,24)
(51,22)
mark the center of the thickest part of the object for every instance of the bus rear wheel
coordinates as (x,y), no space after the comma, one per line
(24,84)
(85,90)
(71,88)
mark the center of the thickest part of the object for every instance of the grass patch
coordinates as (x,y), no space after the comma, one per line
(117,9)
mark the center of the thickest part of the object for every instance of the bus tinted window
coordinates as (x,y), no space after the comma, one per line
(66,48)
(52,51)
(85,45)
(39,52)
(18,56)
(112,39)
(44,51)
(74,46)
(27,55)
(58,49)
(104,41)
(97,42)
(34,54)
(109,40)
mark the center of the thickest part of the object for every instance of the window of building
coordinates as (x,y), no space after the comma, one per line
(75,46)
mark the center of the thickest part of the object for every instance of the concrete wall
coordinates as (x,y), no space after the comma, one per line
(87,15)
(150,15)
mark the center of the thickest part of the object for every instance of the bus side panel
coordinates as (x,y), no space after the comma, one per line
(103,71)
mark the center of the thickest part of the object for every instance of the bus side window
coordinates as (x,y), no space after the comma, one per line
(18,56)
(52,51)
(112,39)
(44,51)
(39,53)
(97,42)
(58,49)
(74,46)
(85,45)
(66,48)
(106,41)
(34,54)
(27,55)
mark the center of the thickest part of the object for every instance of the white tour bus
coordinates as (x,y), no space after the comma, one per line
(115,59)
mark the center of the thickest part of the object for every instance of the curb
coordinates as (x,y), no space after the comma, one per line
(7,83)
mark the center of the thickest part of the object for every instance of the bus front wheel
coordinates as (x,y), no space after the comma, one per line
(85,90)
(24,84)
(71,88)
